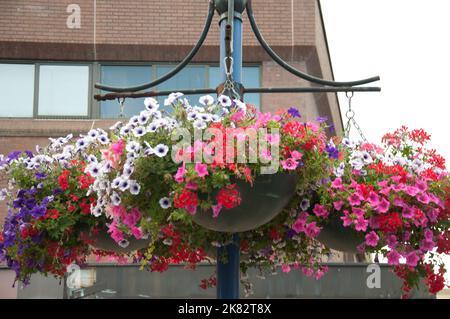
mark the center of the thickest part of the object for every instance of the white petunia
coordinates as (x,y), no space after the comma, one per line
(124,243)
(200,125)
(139,131)
(134,120)
(92,159)
(192,116)
(97,211)
(153,127)
(116,126)
(94,169)
(115,199)
(240,105)
(133,147)
(143,117)
(205,117)
(148,149)
(124,184)
(128,170)
(103,139)
(165,202)
(135,188)
(125,130)
(116,182)
(347,142)
(224,100)
(93,134)
(81,144)
(172,98)
(216,118)
(161,150)
(206,100)
(151,104)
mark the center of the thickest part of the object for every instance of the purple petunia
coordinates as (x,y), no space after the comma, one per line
(294,112)
(322,119)
(332,151)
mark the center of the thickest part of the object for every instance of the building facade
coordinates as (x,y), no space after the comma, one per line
(53,51)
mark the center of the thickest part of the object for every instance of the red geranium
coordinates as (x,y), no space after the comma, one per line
(229,197)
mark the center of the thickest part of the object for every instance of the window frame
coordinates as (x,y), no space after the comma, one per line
(94,72)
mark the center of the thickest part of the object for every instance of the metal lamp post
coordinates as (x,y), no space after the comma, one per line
(228,273)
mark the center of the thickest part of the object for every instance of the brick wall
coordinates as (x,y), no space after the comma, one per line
(148,21)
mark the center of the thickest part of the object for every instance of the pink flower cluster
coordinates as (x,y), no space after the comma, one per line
(122,217)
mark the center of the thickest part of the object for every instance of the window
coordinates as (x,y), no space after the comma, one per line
(123,76)
(191,77)
(16,90)
(63,90)
(250,78)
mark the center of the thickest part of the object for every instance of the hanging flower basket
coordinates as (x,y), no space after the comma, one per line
(335,236)
(260,204)
(141,180)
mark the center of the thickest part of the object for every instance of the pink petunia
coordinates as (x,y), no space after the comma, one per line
(427,245)
(347,219)
(273,139)
(408,212)
(216,210)
(359,213)
(337,184)
(290,164)
(423,198)
(320,211)
(392,241)
(191,185)
(299,224)
(201,169)
(338,205)
(393,257)
(296,155)
(266,155)
(373,199)
(354,199)
(372,239)
(179,176)
(412,190)
(421,185)
(383,206)
(286,268)
(312,230)
(398,188)
(412,259)
(361,224)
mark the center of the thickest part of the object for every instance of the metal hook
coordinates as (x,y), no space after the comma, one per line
(121,101)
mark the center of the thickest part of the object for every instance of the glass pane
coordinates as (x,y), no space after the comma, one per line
(16,90)
(250,78)
(63,90)
(191,77)
(123,76)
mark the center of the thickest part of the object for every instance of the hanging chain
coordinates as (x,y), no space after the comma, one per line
(350,115)
(229,83)
(121,101)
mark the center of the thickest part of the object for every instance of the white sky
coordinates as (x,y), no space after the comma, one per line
(407,43)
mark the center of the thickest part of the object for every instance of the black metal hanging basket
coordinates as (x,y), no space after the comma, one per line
(260,204)
(335,236)
(103,241)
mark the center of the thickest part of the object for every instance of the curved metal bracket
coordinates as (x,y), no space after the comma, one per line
(290,68)
(177,69)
